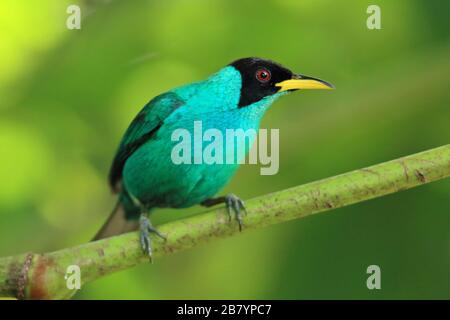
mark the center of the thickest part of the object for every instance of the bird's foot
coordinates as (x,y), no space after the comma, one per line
(146,228)
(235,204)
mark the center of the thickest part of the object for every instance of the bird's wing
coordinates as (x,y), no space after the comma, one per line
(141,129)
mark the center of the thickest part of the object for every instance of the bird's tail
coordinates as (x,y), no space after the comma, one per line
(118,222)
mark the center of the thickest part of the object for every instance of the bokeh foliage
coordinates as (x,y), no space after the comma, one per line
(66,96)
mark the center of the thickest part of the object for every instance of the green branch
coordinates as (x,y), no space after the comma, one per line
(41,276)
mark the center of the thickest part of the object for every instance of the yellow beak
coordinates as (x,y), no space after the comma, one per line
(303,82)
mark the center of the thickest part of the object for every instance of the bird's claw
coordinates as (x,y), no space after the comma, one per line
(234,203)
(146,228)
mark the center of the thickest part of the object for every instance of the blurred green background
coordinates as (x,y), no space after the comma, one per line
(66,97)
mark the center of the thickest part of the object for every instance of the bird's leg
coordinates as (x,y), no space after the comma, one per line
(232,202)
(146,228)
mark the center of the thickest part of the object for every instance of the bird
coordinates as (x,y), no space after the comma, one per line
(143,173)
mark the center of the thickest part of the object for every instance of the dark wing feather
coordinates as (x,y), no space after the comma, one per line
(141,129)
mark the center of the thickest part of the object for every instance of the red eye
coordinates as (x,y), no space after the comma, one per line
(263,75)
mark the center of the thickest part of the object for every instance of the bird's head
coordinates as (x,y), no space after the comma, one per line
(264,78)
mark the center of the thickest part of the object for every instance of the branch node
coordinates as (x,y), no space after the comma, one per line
(23,275)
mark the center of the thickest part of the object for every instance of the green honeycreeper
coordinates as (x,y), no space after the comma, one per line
(143,173)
